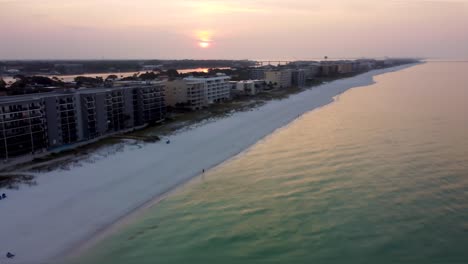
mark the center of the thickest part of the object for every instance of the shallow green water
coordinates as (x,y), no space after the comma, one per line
(380,176)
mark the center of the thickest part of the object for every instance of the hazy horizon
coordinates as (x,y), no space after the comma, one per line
(228,29)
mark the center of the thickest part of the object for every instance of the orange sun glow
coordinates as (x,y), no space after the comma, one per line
(204,38)
(204,44)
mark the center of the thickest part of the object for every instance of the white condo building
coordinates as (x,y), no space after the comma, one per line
(216,89)
(187,94)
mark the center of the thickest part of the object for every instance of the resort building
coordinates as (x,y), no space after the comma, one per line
(215,89)
(279,78)
(185,94)
(148,103)
(63,119)
(311,71)
(34,123)
(23,127)
(365,64)
(257,73)
(328,69)
(345,67)
(247,87)
(298,78)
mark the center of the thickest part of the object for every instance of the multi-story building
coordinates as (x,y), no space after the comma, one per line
(279,78)
(106,110)
(247,87)
(149,103)
(365,64)
(63,119)
(311,71)
(216,89)
(345,67)
(328,68)
(185,94)
(33,123)
(298,78)
(23,127)
(176,93)
(257,73)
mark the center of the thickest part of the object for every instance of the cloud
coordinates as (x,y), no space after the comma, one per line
(241,28)
(223,7)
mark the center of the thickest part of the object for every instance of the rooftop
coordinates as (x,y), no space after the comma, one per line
(72,91)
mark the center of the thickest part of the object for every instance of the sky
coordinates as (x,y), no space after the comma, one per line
(232,29)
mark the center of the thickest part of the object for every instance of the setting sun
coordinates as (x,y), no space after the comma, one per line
(204,38)
(204,44)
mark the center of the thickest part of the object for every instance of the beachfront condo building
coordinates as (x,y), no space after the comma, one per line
(328,68)
(148,103)
(35,123)
(247,87)
(298,78)
(345,67)
(23,127)
(185,94)
(257,73)
(279,78)
(215,89)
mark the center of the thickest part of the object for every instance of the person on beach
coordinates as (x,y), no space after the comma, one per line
(3,195)
(10,255)
(203,171)
(168,141)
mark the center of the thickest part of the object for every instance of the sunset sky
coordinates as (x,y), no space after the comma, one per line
(232,29)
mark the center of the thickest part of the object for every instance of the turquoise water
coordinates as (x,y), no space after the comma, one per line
(379,176)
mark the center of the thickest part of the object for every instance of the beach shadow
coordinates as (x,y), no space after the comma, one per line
(14,181)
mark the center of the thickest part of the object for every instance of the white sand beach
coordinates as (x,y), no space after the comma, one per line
(67,207)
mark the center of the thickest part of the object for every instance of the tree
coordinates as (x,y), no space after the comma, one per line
(112,77)
(41,80)
(82,80)
(2,84)
(172,73)
(148,76)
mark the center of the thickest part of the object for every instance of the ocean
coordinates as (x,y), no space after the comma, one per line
(378,176)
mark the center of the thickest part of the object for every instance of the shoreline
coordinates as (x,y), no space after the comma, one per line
(133,215)
(65,199)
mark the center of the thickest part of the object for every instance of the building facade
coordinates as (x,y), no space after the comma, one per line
(148,103)
(34,123)
(298,78)
(345,67)
(247,87)
(215,89)
(185,94)
(279,78)
(63,119)
(257,73)
(23,127)
(328,69)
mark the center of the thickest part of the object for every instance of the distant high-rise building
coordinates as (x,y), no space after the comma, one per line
(298,78)
(279,78)
(257,73)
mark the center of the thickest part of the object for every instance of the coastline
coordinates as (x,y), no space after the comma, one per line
(64,199)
